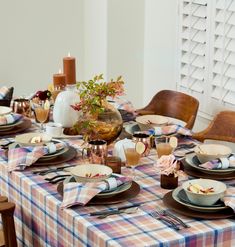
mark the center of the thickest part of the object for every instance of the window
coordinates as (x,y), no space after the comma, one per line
(207,53)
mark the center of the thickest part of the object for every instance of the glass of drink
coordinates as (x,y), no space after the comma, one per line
(42,111)
(163,146)
(132,158)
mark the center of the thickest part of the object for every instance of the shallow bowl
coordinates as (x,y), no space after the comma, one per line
(4,110)
(208,152)
(205,199)
(88,172)
(147,122)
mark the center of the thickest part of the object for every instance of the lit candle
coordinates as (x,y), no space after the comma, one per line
(70,69)
(59,79)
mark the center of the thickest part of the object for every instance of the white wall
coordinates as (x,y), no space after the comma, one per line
(35,36)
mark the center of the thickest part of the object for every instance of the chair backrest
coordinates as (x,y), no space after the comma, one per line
(7,214)
(221,128)
(173,104)
(7,100)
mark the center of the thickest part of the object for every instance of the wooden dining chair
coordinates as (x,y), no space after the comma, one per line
(221,128)
(173,104)
(7,100)
(7,234)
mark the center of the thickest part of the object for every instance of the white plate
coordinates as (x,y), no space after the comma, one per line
(133,128)
(63,136)
(24,139)
(205,209)
(192,161)
(5,110)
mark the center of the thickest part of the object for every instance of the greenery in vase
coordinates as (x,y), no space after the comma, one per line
(93,94)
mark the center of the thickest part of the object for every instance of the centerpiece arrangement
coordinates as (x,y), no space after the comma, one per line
(100,119)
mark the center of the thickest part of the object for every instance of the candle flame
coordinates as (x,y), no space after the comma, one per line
(69,54)
(60,71)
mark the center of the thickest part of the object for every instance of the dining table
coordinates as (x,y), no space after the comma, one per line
(40,220)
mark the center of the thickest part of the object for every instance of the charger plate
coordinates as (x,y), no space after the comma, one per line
(132,192)
(172,204)
(10,126)
(193,161)
(199,174)
(70,154)
(23,125)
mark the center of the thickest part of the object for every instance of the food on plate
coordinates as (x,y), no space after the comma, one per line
(89,175)
(36,139)
(196,188)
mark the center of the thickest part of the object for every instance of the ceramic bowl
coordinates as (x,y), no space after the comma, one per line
(205,199)
(208,152)
(25,139)
(147,122)
(91,172)
(4,110)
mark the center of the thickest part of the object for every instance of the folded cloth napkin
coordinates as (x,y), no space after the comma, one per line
(170,129)
(10,118)
(3,92)
(222,163)
(21,157)
(81,193)
(229,198)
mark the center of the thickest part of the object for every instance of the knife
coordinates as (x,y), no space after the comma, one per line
(115,210)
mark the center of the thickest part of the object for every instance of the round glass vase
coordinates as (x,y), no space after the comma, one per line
(106,125)
(168,181)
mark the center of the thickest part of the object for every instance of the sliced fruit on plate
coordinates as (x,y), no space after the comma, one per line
(140,147)
(173,141)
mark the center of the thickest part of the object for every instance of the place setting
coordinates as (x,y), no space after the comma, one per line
(12,123)
(202,198)
(213,161)
(37,149)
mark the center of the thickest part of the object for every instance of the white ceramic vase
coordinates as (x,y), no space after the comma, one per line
(63,113)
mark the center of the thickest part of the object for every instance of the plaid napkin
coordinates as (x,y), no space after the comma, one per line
(222,163)
(170,129)
(10,118)
(21,157)
(81,193)
(3,92)
(229,198)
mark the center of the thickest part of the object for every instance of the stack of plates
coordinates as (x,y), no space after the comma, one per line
(192,168)
(107,193)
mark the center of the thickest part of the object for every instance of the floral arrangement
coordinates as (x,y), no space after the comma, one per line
(94,92)
(168,165)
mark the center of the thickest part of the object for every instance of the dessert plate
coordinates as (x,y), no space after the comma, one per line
(180,196)
(192,160)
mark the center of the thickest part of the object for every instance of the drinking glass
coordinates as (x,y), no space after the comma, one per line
(41,111)
(132,158)
(163,146)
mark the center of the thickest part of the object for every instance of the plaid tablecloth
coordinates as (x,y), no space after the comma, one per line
(41,222)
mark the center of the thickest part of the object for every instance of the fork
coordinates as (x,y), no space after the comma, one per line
(170,215)
(166,220)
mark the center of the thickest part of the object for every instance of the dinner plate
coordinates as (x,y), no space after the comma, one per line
(133,128)
(132,192)
(10,126)
(108,192)
(180,196)
(24,124)
(193,161)
(179,208)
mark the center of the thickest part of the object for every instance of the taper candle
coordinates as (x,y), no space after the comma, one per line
(69,64)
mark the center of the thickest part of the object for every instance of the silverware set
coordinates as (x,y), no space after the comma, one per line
(169,219)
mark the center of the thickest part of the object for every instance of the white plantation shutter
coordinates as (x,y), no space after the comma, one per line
(207,53)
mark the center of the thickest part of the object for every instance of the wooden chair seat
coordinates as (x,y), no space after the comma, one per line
(2,240)
(221,128)
(173,104)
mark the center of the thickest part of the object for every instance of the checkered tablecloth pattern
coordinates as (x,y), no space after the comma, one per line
(41,222)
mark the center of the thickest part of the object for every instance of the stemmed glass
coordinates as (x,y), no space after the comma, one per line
(42,110)
(132,158)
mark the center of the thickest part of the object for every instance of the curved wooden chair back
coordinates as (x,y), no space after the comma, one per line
(221,128)
(7,100)
(8,235)
(173,104)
